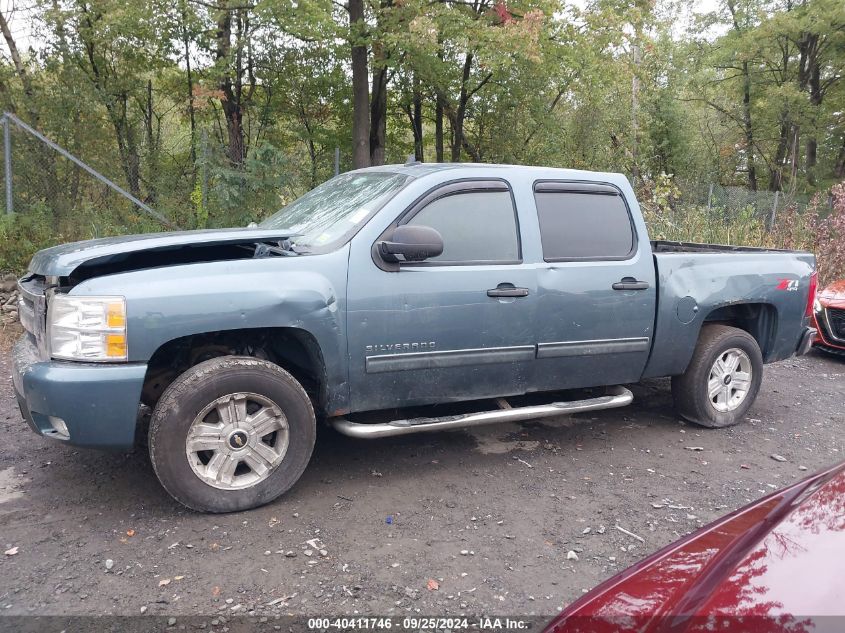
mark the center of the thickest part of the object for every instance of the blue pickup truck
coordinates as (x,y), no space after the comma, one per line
(439,296)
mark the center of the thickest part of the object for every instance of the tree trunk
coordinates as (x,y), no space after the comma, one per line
(127,144)
(438,128)
(378,100)
(231,102)
(457,117)
(151,139)
(839,166)
(816,101)
(186,42)
(457,136)
(46,160)
(20,69)
(378,106)
(416,119)
(786,135)
(360,86)
(312,148)
(809,81)
(635,106)
(117,106)
(235,130)
(748,128)
(779,162)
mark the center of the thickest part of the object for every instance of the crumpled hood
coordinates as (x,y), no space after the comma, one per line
(62,260)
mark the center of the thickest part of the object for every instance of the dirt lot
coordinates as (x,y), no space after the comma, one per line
(489,515)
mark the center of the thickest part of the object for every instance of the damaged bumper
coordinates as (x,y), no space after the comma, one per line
(806,341)
(93,405)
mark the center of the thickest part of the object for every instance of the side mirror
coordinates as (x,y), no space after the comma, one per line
(412,243)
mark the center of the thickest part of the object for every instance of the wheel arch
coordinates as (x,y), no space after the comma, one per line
(759,319)
(294,349)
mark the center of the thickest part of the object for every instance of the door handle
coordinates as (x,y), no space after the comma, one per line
(629,283)
(507,290)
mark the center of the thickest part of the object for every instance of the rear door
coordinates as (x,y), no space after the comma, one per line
(596,291)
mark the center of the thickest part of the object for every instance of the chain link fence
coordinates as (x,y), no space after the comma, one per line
(723,214)
(41,175)
(51,195)
(730,202)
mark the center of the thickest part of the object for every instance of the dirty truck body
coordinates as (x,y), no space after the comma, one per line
(391,288)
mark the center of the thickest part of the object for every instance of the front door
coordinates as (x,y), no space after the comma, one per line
(454,327)
(596,292)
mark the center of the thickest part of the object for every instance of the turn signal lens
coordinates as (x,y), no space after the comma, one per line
(116,315)
(116,346)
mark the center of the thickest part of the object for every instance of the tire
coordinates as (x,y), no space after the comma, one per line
(691,390)
(226,407)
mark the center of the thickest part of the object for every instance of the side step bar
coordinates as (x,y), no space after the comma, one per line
(616,397)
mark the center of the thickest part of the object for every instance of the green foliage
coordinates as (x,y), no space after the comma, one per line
(217,113)
(819,228)
(21,235)
(200,210)
(249,193)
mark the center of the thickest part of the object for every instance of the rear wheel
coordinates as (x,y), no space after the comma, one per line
(722,379)
(231,433)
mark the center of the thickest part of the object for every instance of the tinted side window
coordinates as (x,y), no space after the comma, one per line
(583,225)
(477,226)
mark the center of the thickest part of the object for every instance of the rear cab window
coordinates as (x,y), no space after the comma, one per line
(583,221)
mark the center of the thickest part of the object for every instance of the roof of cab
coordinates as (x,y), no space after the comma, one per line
(418,170)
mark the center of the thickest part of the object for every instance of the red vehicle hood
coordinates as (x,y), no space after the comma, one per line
(833,293)
(775,565)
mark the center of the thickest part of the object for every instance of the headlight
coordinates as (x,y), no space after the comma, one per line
(87,328)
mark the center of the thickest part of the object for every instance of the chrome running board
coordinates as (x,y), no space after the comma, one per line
(616,397)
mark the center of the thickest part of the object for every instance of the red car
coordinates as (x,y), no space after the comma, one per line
(829,318)
(774,565)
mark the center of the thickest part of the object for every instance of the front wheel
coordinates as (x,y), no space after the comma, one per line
(231,433)
(722,379)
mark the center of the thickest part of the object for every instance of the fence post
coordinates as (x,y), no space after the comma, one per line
(7,163)
(774,211)
(710,197)
(336,161)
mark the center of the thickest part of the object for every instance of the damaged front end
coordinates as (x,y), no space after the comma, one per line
(76,262)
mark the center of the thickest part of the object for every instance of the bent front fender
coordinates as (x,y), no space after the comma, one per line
(307,292)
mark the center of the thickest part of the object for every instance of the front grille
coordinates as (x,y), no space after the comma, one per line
(32,307)
(836,320)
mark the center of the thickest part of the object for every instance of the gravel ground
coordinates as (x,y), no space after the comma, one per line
(516,519)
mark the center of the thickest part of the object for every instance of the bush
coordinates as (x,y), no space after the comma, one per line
(828,234)
(23,234)
(820,228)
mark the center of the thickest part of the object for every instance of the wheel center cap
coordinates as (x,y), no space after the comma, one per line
(727,379)
(238,440)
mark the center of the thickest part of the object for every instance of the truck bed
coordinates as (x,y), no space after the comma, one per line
(764,289)
(665,246)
